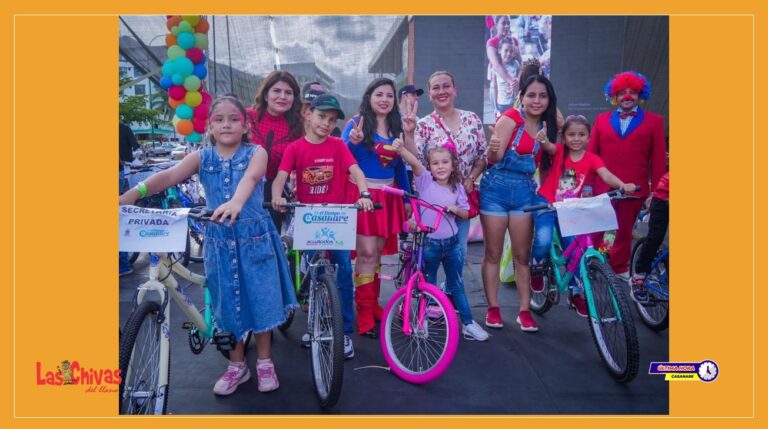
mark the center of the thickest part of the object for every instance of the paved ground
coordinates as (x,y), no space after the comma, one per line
(554,371)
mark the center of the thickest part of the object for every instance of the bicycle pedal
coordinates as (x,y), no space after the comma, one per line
(225,341)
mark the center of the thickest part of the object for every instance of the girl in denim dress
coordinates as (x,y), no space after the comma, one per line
(246,273)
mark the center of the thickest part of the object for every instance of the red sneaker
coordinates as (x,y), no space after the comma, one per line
(493,318)
(526,322)
(579,303)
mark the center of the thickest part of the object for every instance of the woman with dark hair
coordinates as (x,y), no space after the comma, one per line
(370,136)
(508,186)
(274,122)
(462,129)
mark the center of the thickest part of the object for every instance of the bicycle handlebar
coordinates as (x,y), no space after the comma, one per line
(415,201)
(398,192)
(616,193)
(376,206)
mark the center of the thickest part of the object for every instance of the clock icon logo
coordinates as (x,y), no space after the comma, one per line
(708,371)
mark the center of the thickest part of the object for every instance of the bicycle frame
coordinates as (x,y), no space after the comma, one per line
(660,257)
(414,266)
(575,258)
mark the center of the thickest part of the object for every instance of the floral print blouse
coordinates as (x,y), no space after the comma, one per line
(469,139)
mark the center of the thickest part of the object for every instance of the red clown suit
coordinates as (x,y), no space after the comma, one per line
(631,142)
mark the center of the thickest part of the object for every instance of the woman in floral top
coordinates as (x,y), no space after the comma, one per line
(463,129)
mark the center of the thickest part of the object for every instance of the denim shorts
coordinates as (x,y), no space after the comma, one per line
(504,193)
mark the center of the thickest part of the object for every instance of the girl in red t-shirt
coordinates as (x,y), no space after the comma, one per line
(572,168)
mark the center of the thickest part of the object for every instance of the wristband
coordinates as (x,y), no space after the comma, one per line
(142,188)
(367,195)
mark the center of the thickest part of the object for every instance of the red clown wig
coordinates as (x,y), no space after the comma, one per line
(628,79)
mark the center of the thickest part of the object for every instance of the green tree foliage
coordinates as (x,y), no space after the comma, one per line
(133,108)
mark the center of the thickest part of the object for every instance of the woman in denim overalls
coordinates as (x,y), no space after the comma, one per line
(508,187)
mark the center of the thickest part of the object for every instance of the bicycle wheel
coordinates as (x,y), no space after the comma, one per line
(542,301)
(327,340)
(195,249)
(613,329)
(655,314)
(140,363)
(428,351)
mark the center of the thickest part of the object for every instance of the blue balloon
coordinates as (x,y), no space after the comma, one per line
(185,40)
(184,111)
(194,137)
(168,68)
(183,66)
(201,71)
(166,82)
(177,79)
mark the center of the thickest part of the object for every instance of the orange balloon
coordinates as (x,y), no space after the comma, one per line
(170,40)
(173,21)
(175,103)
(185,127)
(202,26)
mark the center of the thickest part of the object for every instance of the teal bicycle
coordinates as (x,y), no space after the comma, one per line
(610,319)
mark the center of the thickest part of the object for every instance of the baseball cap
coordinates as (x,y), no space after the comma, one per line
(308,94)
(327,102)
(409,89)
(311,94)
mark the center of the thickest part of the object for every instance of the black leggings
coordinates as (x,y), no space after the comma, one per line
(277,217)
(657,229)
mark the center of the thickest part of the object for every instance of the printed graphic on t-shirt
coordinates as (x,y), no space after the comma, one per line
(386,153)
(570,185)
(317,178)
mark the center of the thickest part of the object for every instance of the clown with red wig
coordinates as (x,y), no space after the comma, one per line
(631,142)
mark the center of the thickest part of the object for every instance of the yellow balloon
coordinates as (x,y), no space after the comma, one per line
(191,19)
(193,98)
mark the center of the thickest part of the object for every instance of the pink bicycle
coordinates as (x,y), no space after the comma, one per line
(419,328)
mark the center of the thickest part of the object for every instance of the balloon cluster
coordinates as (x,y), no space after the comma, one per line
(183,74)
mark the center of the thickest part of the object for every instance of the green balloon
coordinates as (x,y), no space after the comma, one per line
(192,83)
(175,51)
(175,30)
(201,40)
(186,27)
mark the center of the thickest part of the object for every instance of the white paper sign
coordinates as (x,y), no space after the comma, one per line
(579,216)
(325,228)
(152,230)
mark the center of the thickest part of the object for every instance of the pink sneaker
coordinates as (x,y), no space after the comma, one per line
(237,373)
(526,322)
(493,318)
(267,378)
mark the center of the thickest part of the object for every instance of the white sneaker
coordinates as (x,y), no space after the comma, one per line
(474,331)
(349,350)
(624,276)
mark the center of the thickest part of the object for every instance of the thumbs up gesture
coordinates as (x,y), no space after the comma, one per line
(357,135)
(397,144)
(495,143)
(541,136)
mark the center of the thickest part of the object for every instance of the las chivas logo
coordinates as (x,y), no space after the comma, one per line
(74,373)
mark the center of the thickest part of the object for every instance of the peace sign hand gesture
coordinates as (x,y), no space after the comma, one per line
(356,135)
(409,117)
